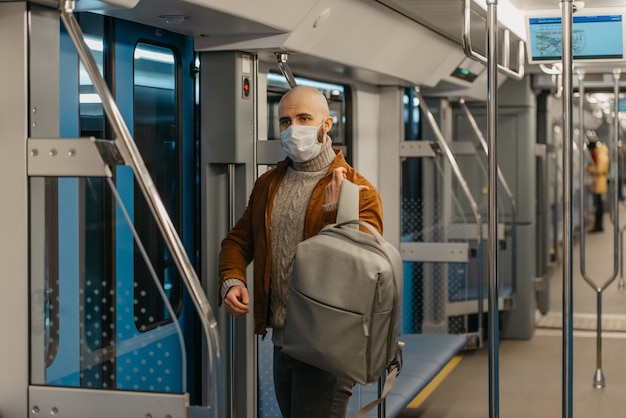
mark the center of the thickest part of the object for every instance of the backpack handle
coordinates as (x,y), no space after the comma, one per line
(356,222)
(348,206)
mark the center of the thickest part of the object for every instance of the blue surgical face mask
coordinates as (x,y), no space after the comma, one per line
(300,142)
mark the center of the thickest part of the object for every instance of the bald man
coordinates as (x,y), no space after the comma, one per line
(289,204)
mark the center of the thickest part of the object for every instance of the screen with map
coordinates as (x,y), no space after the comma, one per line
(594,38)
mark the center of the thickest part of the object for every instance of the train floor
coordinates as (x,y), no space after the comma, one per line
(530,371)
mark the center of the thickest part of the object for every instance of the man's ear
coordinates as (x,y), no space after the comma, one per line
(328,124)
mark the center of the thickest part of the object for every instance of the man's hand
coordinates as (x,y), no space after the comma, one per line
(331,193)
(236,301)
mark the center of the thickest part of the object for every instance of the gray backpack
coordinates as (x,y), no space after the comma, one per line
(345,299)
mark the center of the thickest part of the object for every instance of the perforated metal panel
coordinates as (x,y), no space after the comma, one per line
(268,406)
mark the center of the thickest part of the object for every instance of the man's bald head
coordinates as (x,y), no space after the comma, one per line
(303,105)
(310,95)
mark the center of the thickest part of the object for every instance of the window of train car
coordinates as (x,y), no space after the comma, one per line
(411,167)
(338,97)
(412,116)
(97,283)
(157,133)
(412,209)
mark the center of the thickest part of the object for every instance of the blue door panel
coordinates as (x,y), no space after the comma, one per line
(150,359)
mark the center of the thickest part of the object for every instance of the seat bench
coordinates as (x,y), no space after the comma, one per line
(424,355)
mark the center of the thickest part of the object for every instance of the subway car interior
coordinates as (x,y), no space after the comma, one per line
(133,131)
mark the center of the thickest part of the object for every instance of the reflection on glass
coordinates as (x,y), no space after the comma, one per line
(157,134)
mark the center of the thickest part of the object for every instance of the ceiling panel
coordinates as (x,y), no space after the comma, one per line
(445,18)
(441,16)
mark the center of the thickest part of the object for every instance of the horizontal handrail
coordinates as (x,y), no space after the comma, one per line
(467,47)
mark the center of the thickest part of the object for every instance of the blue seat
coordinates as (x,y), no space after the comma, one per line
(424,356)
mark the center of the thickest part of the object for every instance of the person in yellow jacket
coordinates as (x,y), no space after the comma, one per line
(599,185)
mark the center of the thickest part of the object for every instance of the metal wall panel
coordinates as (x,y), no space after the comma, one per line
(14,210)
(227,167)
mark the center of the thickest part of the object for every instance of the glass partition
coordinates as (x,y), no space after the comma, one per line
(441,231)
(85,328)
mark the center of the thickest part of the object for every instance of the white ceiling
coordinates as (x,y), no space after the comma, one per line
(443,17)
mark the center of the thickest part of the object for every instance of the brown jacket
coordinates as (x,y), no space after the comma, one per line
(249,239)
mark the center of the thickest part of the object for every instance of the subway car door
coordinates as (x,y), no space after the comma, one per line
(108,325)
(156,66)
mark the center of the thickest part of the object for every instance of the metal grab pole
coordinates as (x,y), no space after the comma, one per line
(621,284)
(128,149)
(566,28)
(598,377)
(581,160)
(284,68)
(492,213)
(232,340)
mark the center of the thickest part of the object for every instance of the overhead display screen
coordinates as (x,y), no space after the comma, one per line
(593,38)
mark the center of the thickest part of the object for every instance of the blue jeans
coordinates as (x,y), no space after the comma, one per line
(304,391)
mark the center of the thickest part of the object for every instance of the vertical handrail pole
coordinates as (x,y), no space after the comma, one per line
(231,323)
(615,163)
(621,283)
(132,157)
(598,376)
(492,213)
(581,173)
(506,48)
(567,384)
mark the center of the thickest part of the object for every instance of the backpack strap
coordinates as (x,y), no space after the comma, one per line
(348,216)
(392,373)
(348,206)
